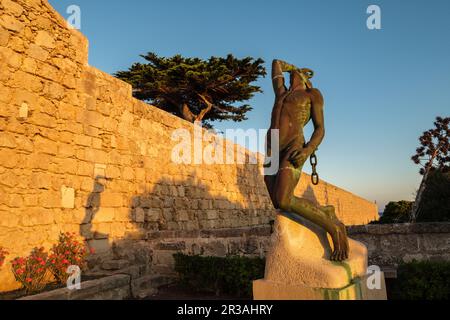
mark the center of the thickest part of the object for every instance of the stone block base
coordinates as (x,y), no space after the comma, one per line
(300,255)
(357,290)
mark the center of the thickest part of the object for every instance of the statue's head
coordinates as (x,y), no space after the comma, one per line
(301,76)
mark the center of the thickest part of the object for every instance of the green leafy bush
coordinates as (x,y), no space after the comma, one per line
(68,251)
(230,275)
(31,271)
(396,212)
(424,280)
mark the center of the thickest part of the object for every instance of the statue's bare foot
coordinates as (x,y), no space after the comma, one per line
(340,243)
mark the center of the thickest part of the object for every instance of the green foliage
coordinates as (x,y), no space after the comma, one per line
(230,275)
(433,154)
(423,280)
(434,149)
(196,89)
(396,212)
(435,203)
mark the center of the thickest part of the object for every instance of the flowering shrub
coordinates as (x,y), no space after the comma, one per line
(3,254)
(68,251)
(31,271)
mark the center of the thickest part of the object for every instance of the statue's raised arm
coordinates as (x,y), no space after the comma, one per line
(278,67)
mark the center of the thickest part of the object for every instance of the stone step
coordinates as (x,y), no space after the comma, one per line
(149,285)
(164,270)
(115,264)
(115,287)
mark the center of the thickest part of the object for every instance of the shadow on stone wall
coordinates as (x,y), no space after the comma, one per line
(92,206)
(310,194)
(174,208)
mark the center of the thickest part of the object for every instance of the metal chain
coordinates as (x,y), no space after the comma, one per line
(314,176)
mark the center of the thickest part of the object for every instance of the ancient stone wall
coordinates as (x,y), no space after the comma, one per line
(391,244)
(79,154)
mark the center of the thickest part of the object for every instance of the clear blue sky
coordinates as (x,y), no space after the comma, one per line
(382,88)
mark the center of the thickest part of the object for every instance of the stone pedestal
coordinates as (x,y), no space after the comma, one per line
(298,266)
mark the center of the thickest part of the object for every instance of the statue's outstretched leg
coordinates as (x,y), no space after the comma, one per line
(284,199)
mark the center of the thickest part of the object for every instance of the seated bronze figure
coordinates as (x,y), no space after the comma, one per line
(293,109)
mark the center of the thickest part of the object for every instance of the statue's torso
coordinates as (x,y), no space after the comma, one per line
(295,114)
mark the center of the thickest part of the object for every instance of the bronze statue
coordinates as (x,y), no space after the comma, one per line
(293,109)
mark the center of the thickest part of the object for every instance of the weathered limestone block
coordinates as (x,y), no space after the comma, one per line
(38,53)
(153,215)
(66,150)
(11,23)
(182,215)
(44,39)
(13,7)
(102,230)
(82,140)
(104,214)
(115,287)
(215,248)
(4,37)
(46,145)
(143,287)
(67,197)
(115,264)
(163,257)
(148,285)
(50,199)
(298,264)
(7,140)
(100,246)
(139,215)
(113,200)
